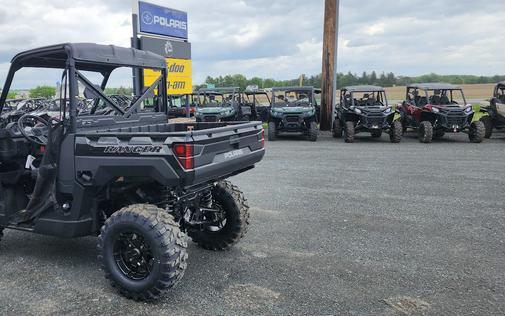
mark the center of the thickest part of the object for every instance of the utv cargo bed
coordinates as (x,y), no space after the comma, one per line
(191,153)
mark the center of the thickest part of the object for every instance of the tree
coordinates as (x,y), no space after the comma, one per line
(11,95)
(43,92)
(119,91)
(373,78)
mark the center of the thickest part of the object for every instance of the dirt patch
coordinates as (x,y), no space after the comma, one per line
(407,305)
(250,296)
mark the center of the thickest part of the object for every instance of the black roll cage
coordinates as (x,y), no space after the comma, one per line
(297,90)
(443,92)
(103,59)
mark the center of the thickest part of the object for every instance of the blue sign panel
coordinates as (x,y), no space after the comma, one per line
(162,21)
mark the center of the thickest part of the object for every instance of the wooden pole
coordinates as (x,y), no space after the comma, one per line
(329,73)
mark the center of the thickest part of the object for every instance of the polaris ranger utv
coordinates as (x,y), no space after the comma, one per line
(139,183)
(496,111)
(366,109)
(218,105)
(434,109)
(293,110)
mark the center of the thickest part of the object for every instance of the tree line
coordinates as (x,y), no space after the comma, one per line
(350,79)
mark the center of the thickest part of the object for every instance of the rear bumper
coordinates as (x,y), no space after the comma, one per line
(224,169)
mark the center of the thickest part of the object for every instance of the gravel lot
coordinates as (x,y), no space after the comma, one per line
(369,228)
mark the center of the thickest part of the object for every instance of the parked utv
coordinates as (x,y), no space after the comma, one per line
(366,109)
(259,101)
(139,183)
(293,110)
(218,105)
(496,111)
(178,105)
(433,109)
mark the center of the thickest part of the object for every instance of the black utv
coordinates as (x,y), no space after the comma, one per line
(137,182)
(433,109)
(293,110)
(496,111)
(366,109)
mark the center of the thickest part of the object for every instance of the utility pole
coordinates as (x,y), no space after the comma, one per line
(329,73)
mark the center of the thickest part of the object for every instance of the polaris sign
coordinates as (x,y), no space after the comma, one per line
(154,19)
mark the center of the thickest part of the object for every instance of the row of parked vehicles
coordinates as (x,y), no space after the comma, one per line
(430,109)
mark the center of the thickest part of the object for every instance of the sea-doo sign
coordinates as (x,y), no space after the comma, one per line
(154,19)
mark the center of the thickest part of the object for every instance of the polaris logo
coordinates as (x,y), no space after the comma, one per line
(132,149)
(233,154)
(149,18)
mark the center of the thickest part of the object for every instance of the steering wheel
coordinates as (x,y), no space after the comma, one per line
(35,134)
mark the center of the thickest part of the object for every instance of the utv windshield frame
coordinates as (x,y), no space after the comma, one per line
(309,91)
(221,92)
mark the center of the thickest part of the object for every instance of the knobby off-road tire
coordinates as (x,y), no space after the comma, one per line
(488,124)
(425,132)
(147,234)
(231,200)
(477,132)
(1,233)
(395,135)
(349,132)
(272,131)
(376,134)
(313,132)
(337,128)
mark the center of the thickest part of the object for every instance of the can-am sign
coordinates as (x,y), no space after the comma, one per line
(154,19)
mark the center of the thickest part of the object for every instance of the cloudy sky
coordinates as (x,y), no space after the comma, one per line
(279,38)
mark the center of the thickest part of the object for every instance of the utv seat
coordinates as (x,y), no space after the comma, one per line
(445,100)
(435,100)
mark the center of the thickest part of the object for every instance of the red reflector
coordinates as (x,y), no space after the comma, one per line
(184,153)
(42,149)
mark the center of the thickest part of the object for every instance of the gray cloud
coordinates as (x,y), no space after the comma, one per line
(282,38)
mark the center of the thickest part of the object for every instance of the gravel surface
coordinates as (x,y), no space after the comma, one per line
(370,228)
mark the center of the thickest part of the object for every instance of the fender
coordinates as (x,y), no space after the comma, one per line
(478,112)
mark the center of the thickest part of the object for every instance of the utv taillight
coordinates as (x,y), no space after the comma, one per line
(184,153)
(263,137)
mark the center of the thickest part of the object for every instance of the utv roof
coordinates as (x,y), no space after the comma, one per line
(88,57)
(501,84)
(219,90)
(363,88)
(255,92)
(434,86)
(304,88)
